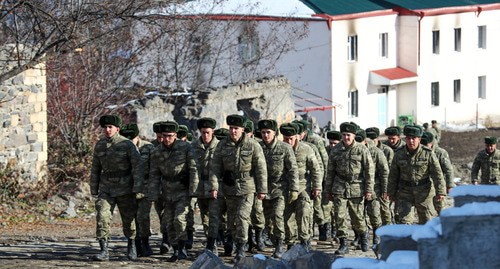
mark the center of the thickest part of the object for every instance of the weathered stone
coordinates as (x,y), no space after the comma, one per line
(312,260)
(388,244)
(259,261)
(294,253)
(32,138)
(208,260)
(433,252)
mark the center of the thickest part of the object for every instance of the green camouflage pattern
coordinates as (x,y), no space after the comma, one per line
(489,164)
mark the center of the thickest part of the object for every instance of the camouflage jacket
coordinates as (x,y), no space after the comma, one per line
(388,152)
(381,169)
(319,142)
(172,172)
(489,165)
(203,156)
(282,169)
(401,144)
(445,163)
(116,167)
(240,166)
(145,149)
(320,163)
(410,170)
(307,162)
(350,171)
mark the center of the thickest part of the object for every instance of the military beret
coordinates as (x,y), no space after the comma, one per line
(236,120)
(182,131)
(206,123)
(268,124)
(289,129)
(427,137)
(413,130)
(130,131)
(248,126)
(393,130)
(110,120)
(372,132)
(360,135)
(434,121)
(221,133)
(156,127)
(169,127)
(334,135)
(348,127)
(490,140)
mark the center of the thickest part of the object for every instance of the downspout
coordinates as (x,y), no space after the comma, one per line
(421,16)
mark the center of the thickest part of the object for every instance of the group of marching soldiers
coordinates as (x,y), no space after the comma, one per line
(251,185)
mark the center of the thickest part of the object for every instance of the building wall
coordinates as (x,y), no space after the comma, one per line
(23,115)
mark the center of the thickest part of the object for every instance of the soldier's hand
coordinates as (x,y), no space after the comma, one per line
(261,196)
(139,195)
(213,194)
(439,197)
(293,196)
(315,193)
(368,196)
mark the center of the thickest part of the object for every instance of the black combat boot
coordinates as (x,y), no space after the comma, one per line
(138,247)
(131,251)
(212,245)
(376,239)
(228,246)
(175,256)
(355,242)
(165,244)
(251,241)
(103,255)
(328,228)
(189,242)
(267,238)
(278,249)
(259,240)
(145,247)
(343,248)
(182,250)
(364,241)
(220,238)
(240,252)
(334,234)
(322,232)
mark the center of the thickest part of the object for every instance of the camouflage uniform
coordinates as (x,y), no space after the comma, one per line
(489,164)
(241,167)
(143,205)
(173,174)
(385,208)
(447,168)
(298,213)
(410,183)
(401,144)
(282,178)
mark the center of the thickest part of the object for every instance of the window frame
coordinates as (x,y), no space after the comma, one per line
(481,87)
(352,48)
(457,85)
(383,45)
(435,42)
(481,37)
(354,103)
(458,39)
(435,94)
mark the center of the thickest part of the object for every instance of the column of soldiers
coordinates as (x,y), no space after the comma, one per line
(241,182)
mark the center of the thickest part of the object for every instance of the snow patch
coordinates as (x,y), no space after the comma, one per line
(403,259)
(473,209)
(355,263)
(431,229)
(397,230)
(476,190)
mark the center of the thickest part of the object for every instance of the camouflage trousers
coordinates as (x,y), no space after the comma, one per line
(373,211)
(274,213)
(257,217)
(355,207)
(190,214)
(209,211)
(174,218)
(239,209)
(298,219)
(327,207)
(318,216)
(419,197)
(104,205)
(159,206)
(142,220)
(385,211)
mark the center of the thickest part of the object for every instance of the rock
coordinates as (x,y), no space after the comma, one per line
(70,211)
(259,261)
(312,260)
(208,260)
(294,253)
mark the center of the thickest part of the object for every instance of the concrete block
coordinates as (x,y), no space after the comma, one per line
(388,244)
(433,253)
(466,194)
(294,253)
(312,260)
(208,260)
(42,156)
(36,147)
(259,261)
(467,199)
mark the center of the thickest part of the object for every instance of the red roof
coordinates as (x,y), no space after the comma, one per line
(395,73)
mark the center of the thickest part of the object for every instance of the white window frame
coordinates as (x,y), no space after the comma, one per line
(352,48)
(354,103)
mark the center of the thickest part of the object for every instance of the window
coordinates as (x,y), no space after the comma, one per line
(248,42)
(383,44)
(481,37)
(435,42)
(352,48)
(456,90)
(353,103)
(435,94)
(458,39)
(481,87)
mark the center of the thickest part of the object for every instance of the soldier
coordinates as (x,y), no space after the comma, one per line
(282,178)
(240,163)
(298,210)
(386,213)
(436,131)
(159,137)
(487,161)
(182,134)
(115,180)
(349,180)
(142,220)
(221,133)
(415,177)
(334,137)
(173,171)
(394,140)
(373,208)
(204,149)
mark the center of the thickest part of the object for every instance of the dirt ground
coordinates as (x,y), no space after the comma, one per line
(70,242)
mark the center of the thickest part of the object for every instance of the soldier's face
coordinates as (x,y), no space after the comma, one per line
(292,140)
(490,148)
(110,130)
(393,139)
(159,137)
(235,132)
(333,142)
(207,135)
(348,138)
(169,139)
(267,135)
(412,142)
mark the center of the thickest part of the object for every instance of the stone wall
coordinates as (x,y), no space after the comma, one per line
(23,119)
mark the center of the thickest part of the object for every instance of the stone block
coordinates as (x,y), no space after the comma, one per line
(16,139)
(259,261)
(32,137)
(312,260)
(208,260)
(388,244)
(14,120)
(42,156)
(36,146)
(31,157)
(31,97)
(294,253)
(37,127)
(37,107)
(433,252)
(41,97)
